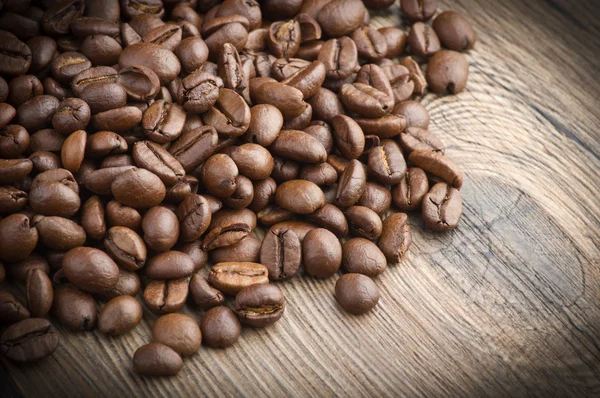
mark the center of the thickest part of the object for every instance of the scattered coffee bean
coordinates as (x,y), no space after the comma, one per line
(356,293)
(260,305)
(220,327)
(178,331)
(29,340)
(156,359)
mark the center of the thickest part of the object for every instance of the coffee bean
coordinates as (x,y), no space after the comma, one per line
(227,217)
(232,277)
(194,250)
(100,181)
(140,82)
(362,256)
(387,163)
(15,58)
(230,115)
(409,193)
(204,295)
(158,160)
(415,75)
(455,31)
(14,140)
(164,297)
(12,199)
(252,160)
(230,69)
(260,305)
(364,222)
(442,207)
(340,57)
(320,174)
(309,28)
(92,218)
(18,271)
(138,188)
(246,249)
(74,309)
(275,9)
(169,265)
(194,215)
(226,29)
(415,138)
(161,228)
(194,147)
(71,115)
(23,88)
(36,113)
(273,214)
(299,196)
(118,120)
(87,26)
(18,238)
(356,293)
(90,269)
(178,331)
(308,79)
(321,253)
(126,247)
(395,238)
(447,71)
(264,191)
(120,215)
(67,65)
(225,236)
(415,113)
(284,38)
(422,40)
(281,253)
(439,165)
(13,170)
(370,44)
(11,309)
(168,36)
(104,143)
(157,359)
(418,10)
(331,218)
(351,185)
(119,316)
(300,146)
(283,68)
(153,56)
(163,122)
(366,100)
(341,17)
(266,122)
(128,285)
(220,327)
(395,39)
(29,340)
(192,53)
(287,99)
(326,105)
(348,136)
(59,233)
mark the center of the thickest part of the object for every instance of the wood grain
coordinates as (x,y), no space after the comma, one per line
(507,305)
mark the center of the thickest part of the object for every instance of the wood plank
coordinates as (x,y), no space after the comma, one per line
(508,304)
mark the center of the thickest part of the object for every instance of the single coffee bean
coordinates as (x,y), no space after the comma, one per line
(414,112)
(299,196)
(36,113)
(348,136)
(232,277)
(13,170)
(18,238)
(11,309)
(105,143)
(356,293)
(126,247)
(442,207)
(14,140)
(161,228)
(395,39)
(72,114)
(308,79)
(23,88)
(119,316)
(364,222)
(218,175)
(29,340)
(387,163)
(87,26)
(15,58)
(395,238)
(374,76)
(362,256)
(300,146)
(90,269)
(320,174)
(447,72)
(284,38)
(93,76)
(164,297)
(326,105)
(340,57)
(100,181)
(143,23)
(158,160)
(409,193)
(309,28)
(128,285)
(46,140)
(230,115)
(252,160)
(226,29)
(67,65)
(273,214)
(101,49)
(194,147)
(44,161)
(163,122)
(245,250)
(153,56)
(260,305)
(192,53)
(400,81)
(264,192)
(422,40)
(168,36)
(120,215)
(225,236)
(384,127)
(341,17)
(108,10)
(12,199)
(321,253)
(138,188)
(351,185)
(170,265)
(285,170)
(156,359)
(225,217)
(455,31)
(58,17)
(265,124)
(370,44)
(220,327)
(140,82)
(415,75)
(283,68)
(275,9)
(439,165)
(59,233)
(418,10)
(330,218)
(92,218)
(186,186)
(178,331)
(365,100)
(204,295)
(289,100)
(243,194)
(194,215)
(230,69)
(415,139)
(281,253)
(118,120)
(194,250)
(199,91)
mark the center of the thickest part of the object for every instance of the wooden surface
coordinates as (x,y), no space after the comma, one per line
(508,304)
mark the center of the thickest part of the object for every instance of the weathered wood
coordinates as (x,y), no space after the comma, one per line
(506,305)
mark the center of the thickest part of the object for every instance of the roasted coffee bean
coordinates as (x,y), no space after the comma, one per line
(199,91)
(194,147)
(230,115)
(164,297)
(273,214)
(400,81)
(264,192)
(245,250)
(287,99)
(36,113)
(92,218)
(55,193)
(248,8)
(386,163)
(220,327)
(157,359)
(12,199)
(442,207)
(285,170)
(218,175)
(341,17)
(362,256)
(276,9)
(284,68)
(370,44)
(13,170)
(58,18)
(67,65)
(409,193)
(374,76)
(454,31)
(18,238)
(59,233)
(140,82)
(415,139)
(145,22)
(153,56)
(101,49)
(340,57)
(348,136)
(184,187)
(395,39)
(100,181)
(281,253)
(46,140)
(310,50)
(14,140)
(384,127)
(138,188)
(126,247)
(23,88)
(308,79)
(105,143)
(29,340)
(414,112)
(178,331)
(119,316)
(439,165)
(351,185)
(98,75)
(74,309)
(44,161)
(194,250)
(118,120)
(108,10)
(90,269)
(365,100)
(72,114)
(230,69)
(163,122)
(168,36)
(243,194)
(415,75)
(20,25)
(87,26)
(265,124)
(11,309)
(320,174)
(226,29)
(169,265)
(15,58)
(447,72)
(309,28)
(364,222)
(204,295)
(321,253)
(194,215)
(356,293)
(128,285)
(260,305)
(299,196)
(331,218)
(326,105)
(418,10)
(422,40)
(252,160)
(232,277)
(225,217)
(4,91)
(225,236)
(158,160)
(298,145)
(284,38)
(120,215)
(395,238)
(161,228)
(192,53)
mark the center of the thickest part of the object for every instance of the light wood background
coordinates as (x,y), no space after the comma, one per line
(507,305)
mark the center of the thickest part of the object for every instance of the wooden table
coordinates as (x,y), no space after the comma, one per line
(508,304)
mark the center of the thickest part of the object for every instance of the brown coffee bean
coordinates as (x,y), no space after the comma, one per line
(232,277)
(105,143)
(153,56)
(87,26)
(356,293)
(74,309)
(163,122)
(18,238)
(281,253)
(220,327)
(119,316)
(44,161)
(67,65)
(370,44)
(119,215)
(192,53)
(387,163)
(266,122)
(225,217)
(284,38)
(23,88)
(284,68)
(92,218)
(264,192)
(395,39)
(36,113)
(7,113)
(455,31)
(100,181)
(300,146)
(204,295)
(374,76)
(226,29)
(308,79)
(366,100)
(341,17)
(14,140)
(442,207)
(59,233)
(246,249)
(178,331)
(73,150)
(252,160)
(195,216)
(170,265)
(331,218)
(362,256)
(194,250)
(118,120)
(415,75)
(447,72)
(340,57)
(322,253)
(158,160)
(230,115)
(395,238)
(351,185)
(348,136)
(299,196)
(320,174)
(13,170)
(422,40)
(168,36)
(364,222)
(12,199)
(418,10)
(243,194)
(16,56)
(29,340)
(90,269)
(287,99)
(164,297)
(126,247)
(409,193)
(326,105)
(157,359)
(225,236)
(273,214)
(11,309)
(260,305)
(309,28)
(230,69)
(138,188)
(194,147)
(128,285)
(140,82)
(414,112)
(439,165)
(415,139)
(161,228)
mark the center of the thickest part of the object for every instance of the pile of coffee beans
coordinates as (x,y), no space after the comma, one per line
(141,140)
